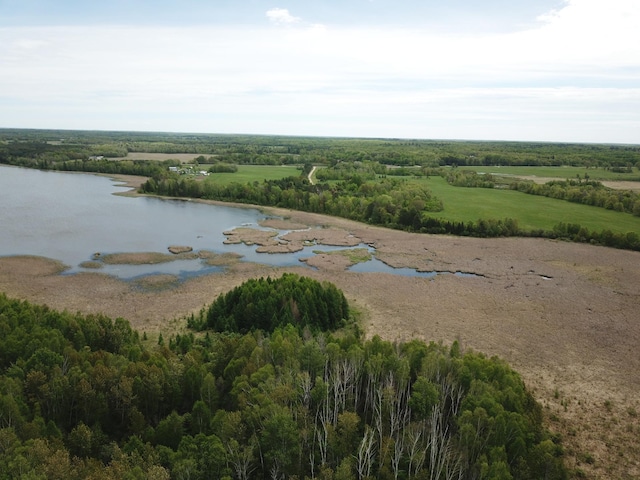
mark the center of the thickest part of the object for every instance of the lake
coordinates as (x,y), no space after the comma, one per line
(71,216)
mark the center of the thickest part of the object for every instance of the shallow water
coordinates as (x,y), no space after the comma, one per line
(69,217)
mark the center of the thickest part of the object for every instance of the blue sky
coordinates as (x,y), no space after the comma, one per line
(539,70)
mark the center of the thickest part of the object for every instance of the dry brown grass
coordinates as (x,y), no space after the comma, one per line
(615,184)
(564,315)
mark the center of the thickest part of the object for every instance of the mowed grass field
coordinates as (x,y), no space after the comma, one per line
(561,173)
(531,211)
(253,173)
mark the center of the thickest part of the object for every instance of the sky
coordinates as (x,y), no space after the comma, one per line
(522,70)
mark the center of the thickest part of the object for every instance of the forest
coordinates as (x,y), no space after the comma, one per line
(19,147)
(88,397)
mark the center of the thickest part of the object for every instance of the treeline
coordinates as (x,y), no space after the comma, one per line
(586,192)
(267,304)
(45,158)
(508,227)
(85,397)
(221,167)
(15,150)
(347,170)
(468,178)
(577,233)
(388,202)
(277,150)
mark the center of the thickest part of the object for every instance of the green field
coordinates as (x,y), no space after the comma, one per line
(559,172)
(471,204)
(531,211)
(253,173)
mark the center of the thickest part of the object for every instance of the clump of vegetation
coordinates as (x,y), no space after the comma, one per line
(142,258)
(91,264)
(266,304)
(355,255)
(222,167)
(469,178)
(219,259)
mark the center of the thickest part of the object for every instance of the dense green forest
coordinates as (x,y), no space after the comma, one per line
(87,397)
(266,304)
(60,145)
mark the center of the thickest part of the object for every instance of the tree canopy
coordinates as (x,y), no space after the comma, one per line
(268,304)
(86,397)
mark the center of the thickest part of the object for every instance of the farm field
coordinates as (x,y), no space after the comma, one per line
(531,211)
(561,173)
(252,173)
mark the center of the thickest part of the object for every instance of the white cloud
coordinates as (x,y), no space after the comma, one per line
(592,31)
(574,78)
(281,16)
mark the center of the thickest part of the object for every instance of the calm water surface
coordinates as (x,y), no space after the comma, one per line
(71,216)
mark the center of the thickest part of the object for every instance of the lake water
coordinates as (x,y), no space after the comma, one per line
(70,217)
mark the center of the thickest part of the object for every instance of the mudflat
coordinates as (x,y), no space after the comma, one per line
(564,315)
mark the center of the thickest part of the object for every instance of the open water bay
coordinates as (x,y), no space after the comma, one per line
(70,217)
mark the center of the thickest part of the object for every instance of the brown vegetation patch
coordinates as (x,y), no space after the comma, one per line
(251,236)
(622,185)
(92,264)
(338,260)
(267,240)
(29,266)
(280,248)
(614,184)
(219,259)
(324,236)
(177,249)
(142,258)
(134,182)
(282,224)
(156,282)
(326,262)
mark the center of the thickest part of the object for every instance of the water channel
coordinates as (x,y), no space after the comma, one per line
(70,216)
